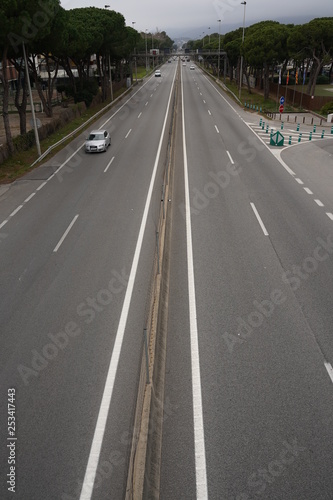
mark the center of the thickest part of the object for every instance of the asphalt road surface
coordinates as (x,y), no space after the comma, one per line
(77,241)
(249,383)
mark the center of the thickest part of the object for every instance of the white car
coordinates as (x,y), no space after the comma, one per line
(98,140)
(192,66)
(157,72)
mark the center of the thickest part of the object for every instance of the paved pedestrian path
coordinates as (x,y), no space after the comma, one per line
(292,132)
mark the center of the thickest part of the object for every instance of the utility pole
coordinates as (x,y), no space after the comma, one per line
(241,64)
(31,101)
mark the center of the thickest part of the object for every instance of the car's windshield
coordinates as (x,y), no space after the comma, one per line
(96,137)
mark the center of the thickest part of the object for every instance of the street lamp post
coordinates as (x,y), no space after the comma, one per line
(110,75)
(136,69)
(209,36)
(241,63)
(218,66)
(146,54)
(34,121)
(203,39)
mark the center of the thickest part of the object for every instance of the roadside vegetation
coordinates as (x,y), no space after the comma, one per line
(300,55)
(76,50)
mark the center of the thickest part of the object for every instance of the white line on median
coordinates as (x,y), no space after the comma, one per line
(199,438)
(65,234)
(95,450)
(259,219)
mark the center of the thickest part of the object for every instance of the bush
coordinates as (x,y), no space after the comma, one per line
(24,142)
(327,108)
(323,80)
(85,92)
(85,96)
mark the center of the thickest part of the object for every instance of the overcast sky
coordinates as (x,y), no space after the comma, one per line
(190,18)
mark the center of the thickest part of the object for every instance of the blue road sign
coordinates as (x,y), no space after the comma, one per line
(282,100)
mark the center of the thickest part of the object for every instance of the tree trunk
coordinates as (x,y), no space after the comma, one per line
(65,63)
(266,82)
(39,89)
(21,106)
(247,79)
(4,78)
(315,75)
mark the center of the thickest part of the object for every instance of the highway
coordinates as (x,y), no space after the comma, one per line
(249,384)
(78,238)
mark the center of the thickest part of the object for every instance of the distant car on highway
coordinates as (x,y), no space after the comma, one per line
(157,72)
(192,66)
(97,141)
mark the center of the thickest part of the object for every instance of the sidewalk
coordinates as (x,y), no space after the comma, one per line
(14,118)
(14,121)
(303,127)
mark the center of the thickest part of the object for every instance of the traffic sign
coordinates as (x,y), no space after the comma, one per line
(281,108)
(282,100)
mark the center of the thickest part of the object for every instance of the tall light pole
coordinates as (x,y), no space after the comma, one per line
(110,75)
(146,54)
(241,64)
(136,69)
(209,36)
(218,66)
(34,121)
(203,38)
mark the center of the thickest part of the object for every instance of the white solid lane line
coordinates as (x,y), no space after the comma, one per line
(95,450)
(259,219)
(199,438)
(65,234)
